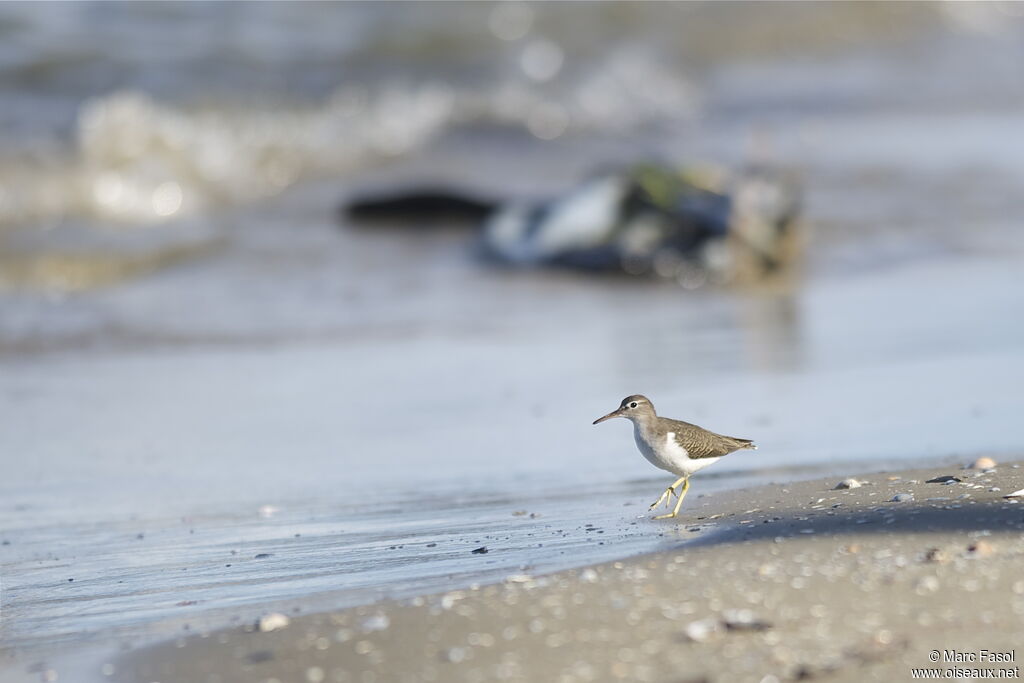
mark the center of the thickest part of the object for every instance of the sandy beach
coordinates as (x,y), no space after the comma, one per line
(773,583)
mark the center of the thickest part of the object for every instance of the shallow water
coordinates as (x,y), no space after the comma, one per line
(242,377)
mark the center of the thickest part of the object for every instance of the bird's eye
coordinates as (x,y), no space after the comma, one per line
(633,404)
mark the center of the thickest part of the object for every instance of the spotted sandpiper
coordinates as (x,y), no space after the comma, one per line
(678,447)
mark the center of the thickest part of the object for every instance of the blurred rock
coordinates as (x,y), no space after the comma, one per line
(681,224)
(431,205)
(695,226)
(847,484)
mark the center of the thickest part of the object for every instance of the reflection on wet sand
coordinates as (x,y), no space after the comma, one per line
(773,336)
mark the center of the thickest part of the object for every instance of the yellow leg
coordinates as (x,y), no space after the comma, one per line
(667,495)
(682,494)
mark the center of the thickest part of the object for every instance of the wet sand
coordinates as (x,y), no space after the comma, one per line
(778,582)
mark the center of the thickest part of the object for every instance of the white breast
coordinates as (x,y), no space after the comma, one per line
(670,456)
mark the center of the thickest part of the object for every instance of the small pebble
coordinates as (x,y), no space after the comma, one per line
(981,549)
(847,484)
(482,550)
(453,655)
(700,631)
(983,463)
(272,622)
(902,498)
(743,620)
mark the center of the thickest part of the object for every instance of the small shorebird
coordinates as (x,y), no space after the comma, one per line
(678,447)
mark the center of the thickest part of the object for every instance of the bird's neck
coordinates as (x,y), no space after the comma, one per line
(644,424)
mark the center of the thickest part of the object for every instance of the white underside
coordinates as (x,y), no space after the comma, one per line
(670,456)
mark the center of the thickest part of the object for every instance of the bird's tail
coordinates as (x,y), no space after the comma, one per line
(745,443)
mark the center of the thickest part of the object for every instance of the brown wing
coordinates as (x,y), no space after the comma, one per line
(700,443)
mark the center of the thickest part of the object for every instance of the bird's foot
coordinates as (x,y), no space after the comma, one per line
(665,497)
(679,502)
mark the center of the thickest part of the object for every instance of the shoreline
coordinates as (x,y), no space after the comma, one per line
(793,581)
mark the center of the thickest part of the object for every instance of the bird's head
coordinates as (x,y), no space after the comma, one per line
(635,407)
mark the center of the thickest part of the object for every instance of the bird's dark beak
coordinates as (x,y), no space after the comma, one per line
(614,413)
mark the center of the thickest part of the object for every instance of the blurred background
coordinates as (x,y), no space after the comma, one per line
(192,336)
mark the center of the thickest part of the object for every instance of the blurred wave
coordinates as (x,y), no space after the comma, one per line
(165,117)
(138,160)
